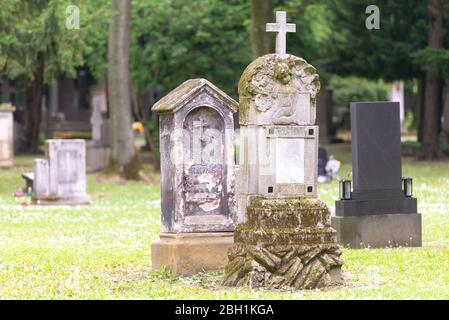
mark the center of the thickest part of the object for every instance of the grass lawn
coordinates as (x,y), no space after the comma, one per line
(103,251)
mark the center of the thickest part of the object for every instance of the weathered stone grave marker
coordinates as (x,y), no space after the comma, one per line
(199,213)
(6,135)
(61,178)
(98,149)
(287,240)
(378,214)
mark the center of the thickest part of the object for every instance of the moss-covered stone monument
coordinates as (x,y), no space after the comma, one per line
(286,239)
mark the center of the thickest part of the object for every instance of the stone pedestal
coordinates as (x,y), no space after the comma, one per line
(6,136)
(190,253)
(285,243)
(378,231)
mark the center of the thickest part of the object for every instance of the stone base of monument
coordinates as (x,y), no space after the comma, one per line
(285,243)
(191,253)
(97,157)
(379,231)
(58,201)
(368,205)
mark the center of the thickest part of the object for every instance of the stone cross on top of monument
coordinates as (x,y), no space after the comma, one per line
(281,27)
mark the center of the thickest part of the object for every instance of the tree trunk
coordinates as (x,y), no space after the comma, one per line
(143,105)
(6,90)
(262,42)
(420,112)
(430,144)
(124,158)
(33,110)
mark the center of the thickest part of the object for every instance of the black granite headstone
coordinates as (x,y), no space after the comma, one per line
(376,162)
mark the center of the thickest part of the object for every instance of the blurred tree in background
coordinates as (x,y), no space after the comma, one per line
(36,45)
(403,48)
(174,40)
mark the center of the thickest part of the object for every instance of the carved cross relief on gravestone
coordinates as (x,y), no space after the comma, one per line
(204,163)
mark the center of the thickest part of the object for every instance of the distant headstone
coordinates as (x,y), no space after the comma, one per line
(378,213)
(286,239)
(6,135)
(60,179)
(197,178)
(98,149)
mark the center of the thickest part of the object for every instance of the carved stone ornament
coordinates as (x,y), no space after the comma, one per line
(279,91)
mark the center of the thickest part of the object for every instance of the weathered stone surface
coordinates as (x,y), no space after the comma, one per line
(6,135)
(182,94)
(190,253)
(285,243)
(279,141)
(286,239)
(197,159)
(61,178)
(278,91)
(281,27)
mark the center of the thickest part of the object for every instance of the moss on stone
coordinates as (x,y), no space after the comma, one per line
(175,98)
(284,243)
(281,70)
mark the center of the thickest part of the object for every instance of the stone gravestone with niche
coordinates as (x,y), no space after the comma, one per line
(199,213)
(6,135)
(378,213)
(61,178)
(286,239)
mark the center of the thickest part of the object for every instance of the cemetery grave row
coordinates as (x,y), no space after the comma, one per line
(261,218)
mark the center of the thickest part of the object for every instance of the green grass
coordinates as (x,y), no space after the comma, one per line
(103,251)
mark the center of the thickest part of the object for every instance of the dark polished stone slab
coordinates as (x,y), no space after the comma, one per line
(376,162)
(379,231)
(376,146)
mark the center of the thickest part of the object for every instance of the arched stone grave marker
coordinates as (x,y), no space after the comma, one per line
(199,213)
